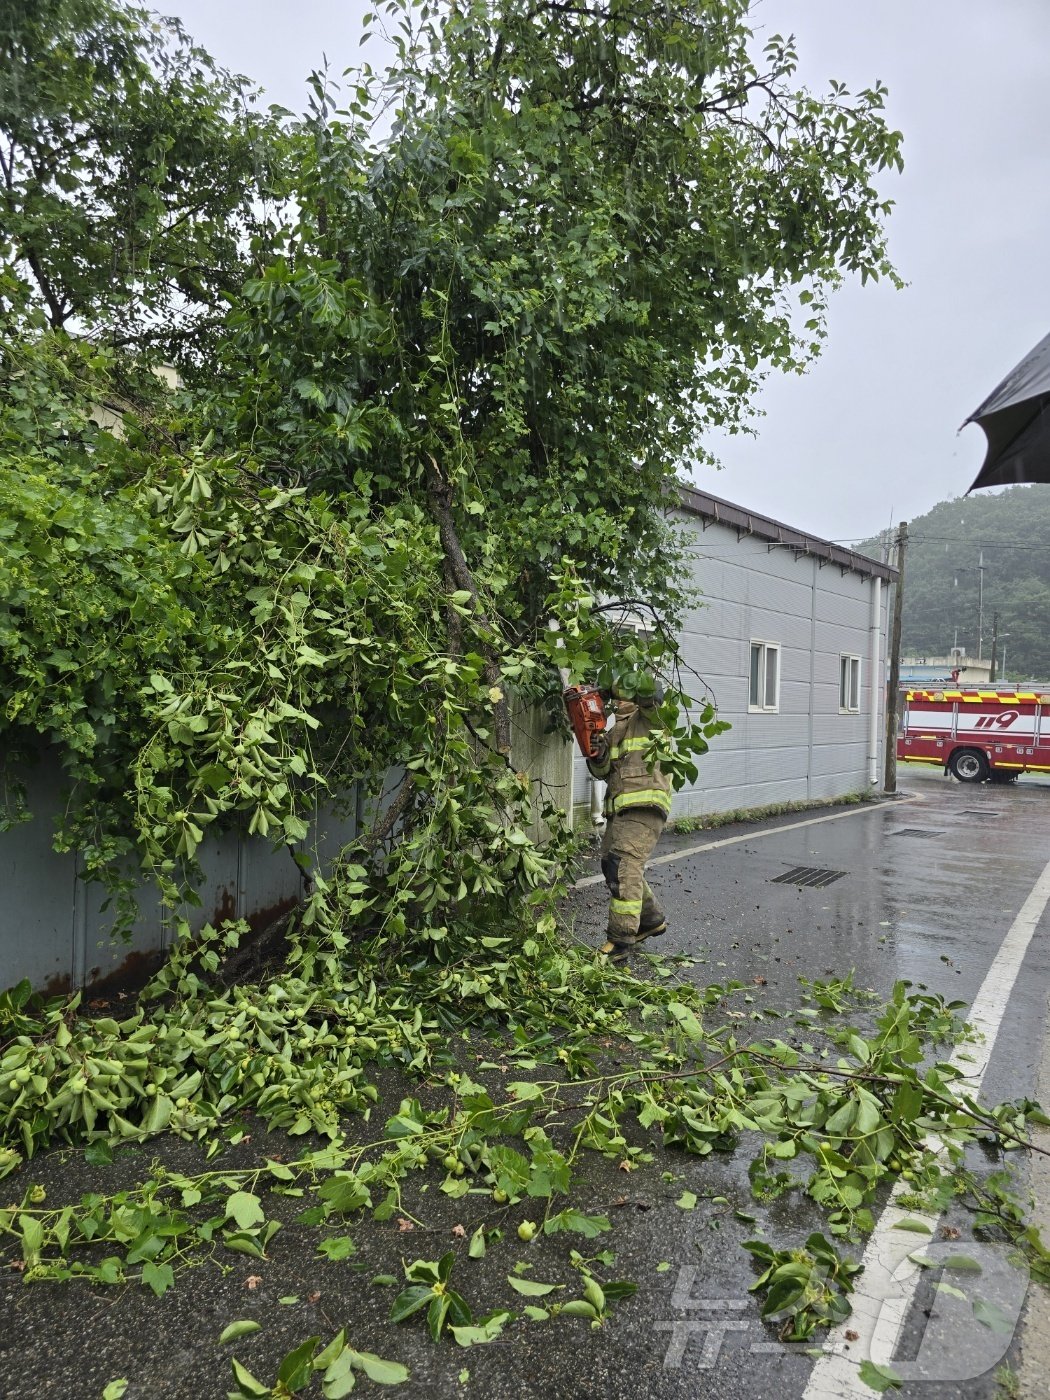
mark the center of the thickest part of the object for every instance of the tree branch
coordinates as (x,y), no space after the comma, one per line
(439,490)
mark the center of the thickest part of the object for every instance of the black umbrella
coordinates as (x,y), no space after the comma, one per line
(1016,421)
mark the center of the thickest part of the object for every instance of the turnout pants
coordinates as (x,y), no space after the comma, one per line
(626,846)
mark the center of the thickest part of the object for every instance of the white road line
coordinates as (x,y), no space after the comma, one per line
(882,1296)
(862,810)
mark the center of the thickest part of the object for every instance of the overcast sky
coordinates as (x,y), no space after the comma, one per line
(869,435)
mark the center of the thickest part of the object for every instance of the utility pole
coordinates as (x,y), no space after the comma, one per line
(995,643)
(980,606)
(893,681)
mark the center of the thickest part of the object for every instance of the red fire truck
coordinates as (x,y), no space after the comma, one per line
(977,735)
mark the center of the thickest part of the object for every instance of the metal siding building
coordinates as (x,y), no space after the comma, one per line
(764,582)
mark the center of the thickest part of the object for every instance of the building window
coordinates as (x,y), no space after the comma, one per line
(849,684)
(765,676)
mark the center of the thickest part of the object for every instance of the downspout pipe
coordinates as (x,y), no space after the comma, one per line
(876,688)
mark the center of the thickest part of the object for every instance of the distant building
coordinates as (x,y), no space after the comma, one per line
(922,672)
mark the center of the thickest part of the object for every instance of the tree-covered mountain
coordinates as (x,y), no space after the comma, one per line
(1010,534)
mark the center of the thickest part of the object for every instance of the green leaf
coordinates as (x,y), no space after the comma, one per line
(114,1390)
(962,1264)
(524,1089)
(992,1316)
(479,1334)
(411,1300)
(917,1227)
(337,1247)
(378,1370)
(879,1378)
(339,1379)
(590,1226)
(245,1208)
(529,1289)
(297,1367)
(242,1328)
(578,1308)
(476,1249)
(159,1277)
(247,1384)
(687,1200)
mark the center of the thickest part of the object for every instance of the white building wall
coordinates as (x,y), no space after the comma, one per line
(816,611)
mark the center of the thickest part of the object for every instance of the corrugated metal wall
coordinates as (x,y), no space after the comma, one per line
(816,611)
(54,928)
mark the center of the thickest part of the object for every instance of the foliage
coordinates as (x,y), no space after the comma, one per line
(708,821)
(805,1288)
(336,1365)
(942,584)
(128,168)
(859,1112)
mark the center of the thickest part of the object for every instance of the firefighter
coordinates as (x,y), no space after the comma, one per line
(637,803)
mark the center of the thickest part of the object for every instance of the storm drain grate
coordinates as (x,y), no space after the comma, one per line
(916,831)
(808,875)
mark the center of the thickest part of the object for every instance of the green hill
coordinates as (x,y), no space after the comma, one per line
(942,578)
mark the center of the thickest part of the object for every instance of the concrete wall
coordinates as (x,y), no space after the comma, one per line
(817,611)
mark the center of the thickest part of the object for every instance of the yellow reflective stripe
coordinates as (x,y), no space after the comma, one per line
(628,746)
(629,907)
(645,797)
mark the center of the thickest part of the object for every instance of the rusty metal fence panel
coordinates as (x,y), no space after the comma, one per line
(54,926)
(56,931)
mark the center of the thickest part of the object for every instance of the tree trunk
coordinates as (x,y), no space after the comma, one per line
(439,490)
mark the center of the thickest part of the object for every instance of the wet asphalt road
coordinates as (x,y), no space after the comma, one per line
(931,907)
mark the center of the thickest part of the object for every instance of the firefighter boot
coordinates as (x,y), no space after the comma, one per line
(634,913)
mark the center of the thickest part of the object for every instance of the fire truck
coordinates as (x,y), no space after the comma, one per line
(977,735)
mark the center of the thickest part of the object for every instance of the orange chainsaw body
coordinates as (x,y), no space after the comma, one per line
(586,712)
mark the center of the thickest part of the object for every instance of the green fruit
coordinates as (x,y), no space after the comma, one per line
(526,1230)
(500,1197)
(450,1163)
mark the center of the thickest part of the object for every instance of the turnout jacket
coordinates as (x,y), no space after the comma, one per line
(631,782)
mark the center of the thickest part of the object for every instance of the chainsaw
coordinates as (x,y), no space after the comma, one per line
(586,713)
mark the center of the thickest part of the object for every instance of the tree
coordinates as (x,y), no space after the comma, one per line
(445,421)
(587,236)
(129,169)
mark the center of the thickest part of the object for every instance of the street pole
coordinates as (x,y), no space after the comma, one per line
(980,606)
(893,680)
(995,645)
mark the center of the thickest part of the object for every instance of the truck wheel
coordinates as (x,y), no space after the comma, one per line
(968,765)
